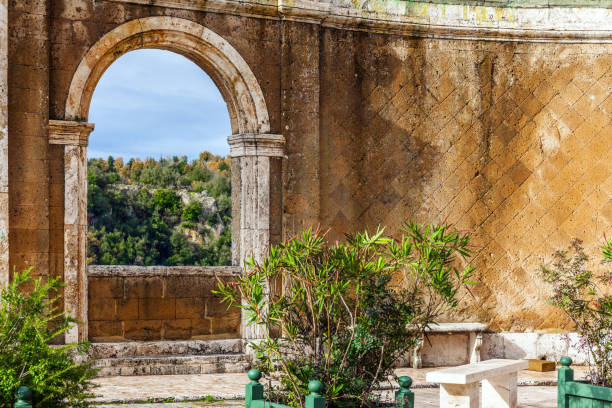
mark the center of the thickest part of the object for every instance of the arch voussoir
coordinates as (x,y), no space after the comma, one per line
(206,48)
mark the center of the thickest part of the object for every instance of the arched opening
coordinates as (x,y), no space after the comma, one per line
(159,172)
(252,148)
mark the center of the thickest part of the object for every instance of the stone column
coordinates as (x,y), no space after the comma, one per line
(4,205)
(74,136)
(255,158)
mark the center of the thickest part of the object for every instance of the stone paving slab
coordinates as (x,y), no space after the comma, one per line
(162,387)
(528,397)
(231,386)
(189,404)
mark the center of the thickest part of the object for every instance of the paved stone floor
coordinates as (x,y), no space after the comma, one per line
(537,390)
(529,397)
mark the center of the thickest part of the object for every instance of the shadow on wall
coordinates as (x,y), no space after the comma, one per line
(377,159)
(479,135)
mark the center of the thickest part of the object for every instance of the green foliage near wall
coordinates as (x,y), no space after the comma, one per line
(29,322)
(159,212)
(348,311)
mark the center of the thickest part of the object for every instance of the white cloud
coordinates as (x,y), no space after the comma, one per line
(153,103)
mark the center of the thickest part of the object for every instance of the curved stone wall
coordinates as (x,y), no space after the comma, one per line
(496,120)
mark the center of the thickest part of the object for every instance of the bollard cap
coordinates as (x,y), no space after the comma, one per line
(24,393)
(404,381)
(24,397)
(315,386)
(566,361)
(254,375)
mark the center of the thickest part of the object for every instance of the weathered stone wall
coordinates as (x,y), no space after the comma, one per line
(508,138)
(4,198)
(510,141)
(159,303)
(28,112)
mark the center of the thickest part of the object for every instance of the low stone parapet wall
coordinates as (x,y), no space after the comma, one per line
(540,346)
(456,347)
(159,303)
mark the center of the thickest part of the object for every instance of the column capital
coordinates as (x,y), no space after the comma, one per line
(68,132)
(253,144)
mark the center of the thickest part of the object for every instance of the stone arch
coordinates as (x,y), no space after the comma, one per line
(256,154)
(216,56)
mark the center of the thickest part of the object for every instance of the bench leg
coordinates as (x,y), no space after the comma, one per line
(499,392)
(475,340)
(417,361)
(460,396)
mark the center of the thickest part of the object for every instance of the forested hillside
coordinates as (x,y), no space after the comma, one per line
(159,212)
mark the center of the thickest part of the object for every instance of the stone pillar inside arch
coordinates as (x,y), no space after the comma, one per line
(74,136)
(256,168)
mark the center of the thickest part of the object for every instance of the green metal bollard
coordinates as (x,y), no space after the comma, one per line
(565,375)
(254,390)
(315,399)
(24,397)
(404,398)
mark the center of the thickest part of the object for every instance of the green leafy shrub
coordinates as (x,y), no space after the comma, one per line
(345,313)
(28,323)
(192,211)
(585,298)
(135,209)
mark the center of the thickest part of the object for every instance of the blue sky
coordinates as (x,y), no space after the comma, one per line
(153,103)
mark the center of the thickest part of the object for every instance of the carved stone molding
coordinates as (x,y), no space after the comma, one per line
(453,21)
(267,145)
(65,132)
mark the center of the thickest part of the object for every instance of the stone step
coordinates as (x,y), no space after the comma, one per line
(165,348)
(173,365)
(169,357)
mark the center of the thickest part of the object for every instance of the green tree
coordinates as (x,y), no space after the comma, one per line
(192,212)
(134,211)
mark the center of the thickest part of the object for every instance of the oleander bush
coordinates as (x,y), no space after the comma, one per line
(586,298)
(29,323)
(345,313)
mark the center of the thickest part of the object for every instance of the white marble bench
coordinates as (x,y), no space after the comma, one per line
(459,386)
(453,336)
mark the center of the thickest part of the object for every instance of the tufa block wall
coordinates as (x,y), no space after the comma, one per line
(174,303)
(509,140)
